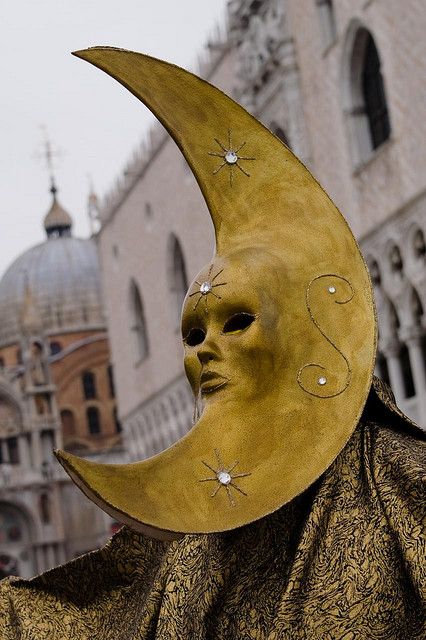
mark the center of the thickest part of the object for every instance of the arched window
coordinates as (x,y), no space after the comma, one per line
(111,385)
(12,524)
(374,95)
(178,280)
(12,450)
(93,421)
(375,275)
(55,347)
(419,244)
(89,385)
(138,325)
(365,103)
(395,260)
(15,529)
(327,22)
(68,423)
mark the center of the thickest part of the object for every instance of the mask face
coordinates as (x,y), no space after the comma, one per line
(231,334)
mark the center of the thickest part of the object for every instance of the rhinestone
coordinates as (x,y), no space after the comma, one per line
(224,477)
(231,157)
(322,381)
(332,289)
(205,288)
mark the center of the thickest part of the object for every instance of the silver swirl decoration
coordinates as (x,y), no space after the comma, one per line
(322,370)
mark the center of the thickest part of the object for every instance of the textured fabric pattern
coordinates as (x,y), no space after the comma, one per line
(343,561)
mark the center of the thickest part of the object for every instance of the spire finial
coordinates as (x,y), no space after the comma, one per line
(49,154)
(93,208)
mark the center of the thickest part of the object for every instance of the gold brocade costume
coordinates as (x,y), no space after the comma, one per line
(303,520)
(345,560)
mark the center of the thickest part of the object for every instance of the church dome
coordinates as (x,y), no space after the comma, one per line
(63,276)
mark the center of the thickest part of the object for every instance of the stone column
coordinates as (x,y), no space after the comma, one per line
(50,556)
(414,345)
(40,562)
(24,452)
(391,352)
(36,449)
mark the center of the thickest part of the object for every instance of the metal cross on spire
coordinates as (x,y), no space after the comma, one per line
(49,154)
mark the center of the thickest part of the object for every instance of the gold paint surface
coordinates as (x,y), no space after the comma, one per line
(281,243)
(326,565)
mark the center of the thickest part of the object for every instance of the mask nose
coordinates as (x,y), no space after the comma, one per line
(208,351)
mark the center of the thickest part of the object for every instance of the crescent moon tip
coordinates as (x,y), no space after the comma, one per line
(79,53)
(85,53)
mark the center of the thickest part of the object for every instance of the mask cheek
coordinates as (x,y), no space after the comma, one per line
(256,360)
(192,370)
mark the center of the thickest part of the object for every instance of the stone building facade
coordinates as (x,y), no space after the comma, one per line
(341,82)
(56,391)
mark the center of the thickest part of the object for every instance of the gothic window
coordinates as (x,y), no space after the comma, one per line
(365,104)
(93,421)
(374,95)
(419,244)
(68,423)
(376,278)
(178,281)
(89,385)
(327,22)
(111,385)
(138,325)
(395,260)
(55,347)
(12,450)
(393,319)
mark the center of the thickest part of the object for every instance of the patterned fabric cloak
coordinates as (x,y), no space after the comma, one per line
(343,561)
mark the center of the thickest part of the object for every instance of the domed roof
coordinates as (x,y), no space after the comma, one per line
(63,276)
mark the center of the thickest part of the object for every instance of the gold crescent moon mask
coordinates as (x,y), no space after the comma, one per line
(279,329)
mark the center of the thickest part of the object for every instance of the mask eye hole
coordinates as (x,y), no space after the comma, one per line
(194,337)
(238,322)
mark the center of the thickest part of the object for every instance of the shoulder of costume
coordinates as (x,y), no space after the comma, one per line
(381,409)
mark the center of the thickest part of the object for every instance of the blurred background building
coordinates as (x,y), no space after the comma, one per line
(343,84)
(56,390)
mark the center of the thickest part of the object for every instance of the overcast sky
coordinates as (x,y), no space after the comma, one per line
(90,119)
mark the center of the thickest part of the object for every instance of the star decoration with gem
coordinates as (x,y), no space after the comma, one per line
(224,478)
(230,157)
(206,287)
